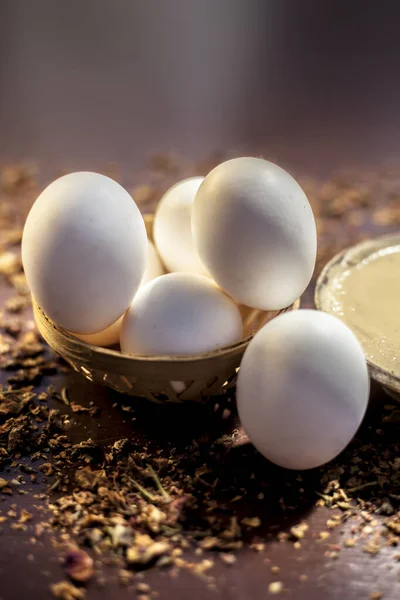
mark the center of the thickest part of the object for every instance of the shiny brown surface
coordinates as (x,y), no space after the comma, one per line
(310,572)
(309,84)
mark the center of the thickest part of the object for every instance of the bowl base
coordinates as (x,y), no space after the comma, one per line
(392,393)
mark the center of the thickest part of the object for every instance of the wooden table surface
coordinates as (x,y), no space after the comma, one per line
(313,572)
(318,89)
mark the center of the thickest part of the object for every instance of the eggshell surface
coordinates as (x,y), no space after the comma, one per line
(180,314)
(107,337)
(302,389)
(173,228)
(254,230)
(154,267)
(84,251)
(110,335)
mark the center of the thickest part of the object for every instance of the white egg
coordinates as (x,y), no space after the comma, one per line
(154,267)
(255,231)
(84,251)
(302,389)
(180,314)
(110,335)
(107,337)
(173,228)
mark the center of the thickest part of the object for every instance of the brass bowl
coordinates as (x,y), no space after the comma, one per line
(326,300)
(157,378)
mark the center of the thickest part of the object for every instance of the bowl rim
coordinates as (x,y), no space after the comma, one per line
(76,344)
(348,257)
(65,342)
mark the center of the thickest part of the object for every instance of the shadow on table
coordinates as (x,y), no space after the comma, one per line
(211,457)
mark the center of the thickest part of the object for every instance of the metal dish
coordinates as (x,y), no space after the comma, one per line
(326,299)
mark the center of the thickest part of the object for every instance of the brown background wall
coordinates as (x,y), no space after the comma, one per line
(312,83)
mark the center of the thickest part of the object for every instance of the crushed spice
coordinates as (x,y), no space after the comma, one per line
(78,565)
(63,590)
(145,506)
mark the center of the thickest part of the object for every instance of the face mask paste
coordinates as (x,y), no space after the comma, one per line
(366,296)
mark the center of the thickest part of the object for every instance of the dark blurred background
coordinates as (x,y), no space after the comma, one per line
(310,84)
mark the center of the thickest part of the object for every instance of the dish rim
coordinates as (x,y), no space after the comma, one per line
(350,257)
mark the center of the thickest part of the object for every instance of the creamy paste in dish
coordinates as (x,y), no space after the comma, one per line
(367,298)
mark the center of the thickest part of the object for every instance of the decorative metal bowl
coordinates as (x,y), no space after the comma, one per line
(157,378)
(326,300)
